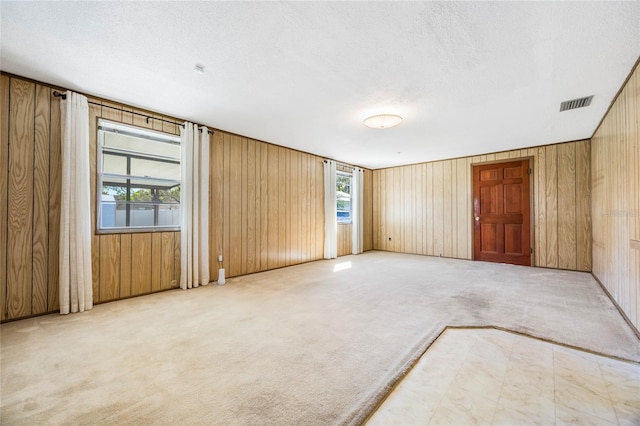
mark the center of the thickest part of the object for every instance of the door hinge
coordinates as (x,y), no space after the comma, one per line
(530,171)
(530,250)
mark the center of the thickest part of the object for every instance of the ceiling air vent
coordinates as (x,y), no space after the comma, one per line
(576,103)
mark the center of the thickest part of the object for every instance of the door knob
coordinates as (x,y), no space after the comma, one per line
(477,218)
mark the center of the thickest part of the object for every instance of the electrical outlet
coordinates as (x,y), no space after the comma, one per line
(219,258)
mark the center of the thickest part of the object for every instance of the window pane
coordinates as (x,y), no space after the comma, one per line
(343,198)
(168,196)
(141,213)
(156,169)
(116,164)
(142,145)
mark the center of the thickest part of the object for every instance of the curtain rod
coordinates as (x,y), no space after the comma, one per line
(64,96)
(343,164)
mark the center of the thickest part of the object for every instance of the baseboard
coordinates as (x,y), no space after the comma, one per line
(626,318)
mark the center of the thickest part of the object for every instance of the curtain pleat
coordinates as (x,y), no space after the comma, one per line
(330,224)
(357,196)
(194,207)
(76,290)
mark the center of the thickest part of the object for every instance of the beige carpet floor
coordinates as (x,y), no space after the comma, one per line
(300,345)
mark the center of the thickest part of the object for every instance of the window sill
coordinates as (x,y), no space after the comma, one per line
(135,230)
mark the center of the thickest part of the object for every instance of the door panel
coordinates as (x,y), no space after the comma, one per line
(501,212)
(513,198)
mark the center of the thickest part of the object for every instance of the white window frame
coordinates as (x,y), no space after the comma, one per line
(142,133)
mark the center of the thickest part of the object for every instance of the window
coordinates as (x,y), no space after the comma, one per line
(343,197)
(138,178)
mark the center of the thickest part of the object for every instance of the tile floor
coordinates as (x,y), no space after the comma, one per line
(493,377)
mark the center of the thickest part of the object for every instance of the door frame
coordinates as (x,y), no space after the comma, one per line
(532,205)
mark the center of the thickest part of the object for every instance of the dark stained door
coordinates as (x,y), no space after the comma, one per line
(501,213)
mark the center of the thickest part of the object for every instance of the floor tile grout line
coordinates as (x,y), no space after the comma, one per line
(449,386)
(503,381)
(555,405)
(606,387)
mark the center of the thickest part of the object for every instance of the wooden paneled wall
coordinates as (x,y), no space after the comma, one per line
(129,264)
(615,171)
(29,226)
(345,245)
(427,208)
(367,211)
(266,207)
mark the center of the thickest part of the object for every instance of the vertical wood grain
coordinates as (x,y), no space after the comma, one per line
(551,185)
(166,260)
(583,207)
(305,253)
(462,213)
(419,200)
(156,261)
(226,224)
(447,213)
(251,204)
(4,167)
(242,207)
(281,202)
(126,260)
(567,206)
(55,191)
(286,207)
(344,239)
(235,207)
(405,219)
(438,208)
(218,206)
(141,273)
(177,270)
(20,198)
(396,242)
(41,201)
(376,213)
(110,263)
(274,217)
(378,209)
(264,206)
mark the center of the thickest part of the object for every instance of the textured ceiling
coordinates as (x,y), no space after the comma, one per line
(467,77)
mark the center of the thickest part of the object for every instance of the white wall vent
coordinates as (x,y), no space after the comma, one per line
(576,103)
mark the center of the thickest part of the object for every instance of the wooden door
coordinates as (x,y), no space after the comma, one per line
(501,213)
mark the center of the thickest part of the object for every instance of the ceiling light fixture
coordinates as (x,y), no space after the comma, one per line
(382,121)
(199,68)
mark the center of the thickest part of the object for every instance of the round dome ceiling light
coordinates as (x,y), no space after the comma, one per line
(383,121)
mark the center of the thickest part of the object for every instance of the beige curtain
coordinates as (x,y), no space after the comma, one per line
(357,195)
(76,291)
(330,224)
(194,206)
